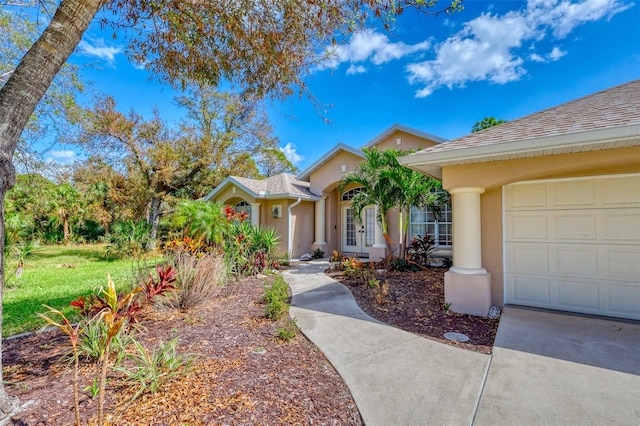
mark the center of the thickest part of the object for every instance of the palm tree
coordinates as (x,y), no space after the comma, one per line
(202,221)
(411,189)
(375,186)
(66,204)
(387,184)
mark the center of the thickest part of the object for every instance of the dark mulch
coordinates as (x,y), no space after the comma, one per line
(292,383)
(415,303)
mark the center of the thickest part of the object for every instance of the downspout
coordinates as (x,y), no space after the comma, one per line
(289,235)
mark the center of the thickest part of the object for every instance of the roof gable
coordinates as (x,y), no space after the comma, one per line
(306,173)
(283,185)
(402,128)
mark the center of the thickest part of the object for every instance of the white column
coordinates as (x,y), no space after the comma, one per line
(467,247)
(321,217)
(255,214)
(378,235)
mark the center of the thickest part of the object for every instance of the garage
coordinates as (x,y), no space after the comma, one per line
(574,245)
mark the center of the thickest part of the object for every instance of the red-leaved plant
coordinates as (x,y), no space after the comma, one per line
(163,284)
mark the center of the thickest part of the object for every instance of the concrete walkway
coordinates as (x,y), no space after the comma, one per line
(395,377)
(546,369)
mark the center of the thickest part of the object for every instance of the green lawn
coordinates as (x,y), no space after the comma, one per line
(56,276)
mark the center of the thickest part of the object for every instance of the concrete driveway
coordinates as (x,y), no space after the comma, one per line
(546,368)
(562,369)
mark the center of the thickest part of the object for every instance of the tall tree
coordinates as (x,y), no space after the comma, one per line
(485,123)
(236,130)
(263,47)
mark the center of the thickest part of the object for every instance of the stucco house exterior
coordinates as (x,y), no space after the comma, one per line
(309,212)
(546,208)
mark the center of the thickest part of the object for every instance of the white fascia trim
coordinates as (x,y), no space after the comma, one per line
(223,184)
(288,196)
(401,127)
(306,173)
(433,161)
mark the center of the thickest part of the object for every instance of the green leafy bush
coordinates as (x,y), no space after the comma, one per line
(275,296)
(289,330)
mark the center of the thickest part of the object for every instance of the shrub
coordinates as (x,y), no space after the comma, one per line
(317,254)
(421,250)
(128,238)
(275,296)
(289,330)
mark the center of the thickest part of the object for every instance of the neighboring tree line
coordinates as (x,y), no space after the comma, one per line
(138,169)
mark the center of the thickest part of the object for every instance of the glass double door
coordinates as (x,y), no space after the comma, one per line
(358,237)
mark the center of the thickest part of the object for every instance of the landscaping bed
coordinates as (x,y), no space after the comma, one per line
(414,301)
(229,383)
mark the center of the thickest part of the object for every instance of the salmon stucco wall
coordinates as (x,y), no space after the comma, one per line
(325,178)
(494,175)
(229,197)
(302,228)
(408,142)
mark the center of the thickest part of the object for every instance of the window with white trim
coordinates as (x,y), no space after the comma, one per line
(243,206)
(422,221)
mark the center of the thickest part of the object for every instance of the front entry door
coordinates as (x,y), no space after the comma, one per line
(358,237)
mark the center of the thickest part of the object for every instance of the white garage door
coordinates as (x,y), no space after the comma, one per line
(574,245)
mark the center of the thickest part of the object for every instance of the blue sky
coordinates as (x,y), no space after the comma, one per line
(437,74)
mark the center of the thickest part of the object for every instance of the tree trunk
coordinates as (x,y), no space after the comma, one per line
(20,96)
(154,220)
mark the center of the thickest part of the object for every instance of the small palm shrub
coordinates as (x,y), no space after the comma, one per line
(128,238)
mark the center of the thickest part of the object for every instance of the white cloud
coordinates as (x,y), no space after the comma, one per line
(556,53)
(356,69)
(369,45)
(99,49)
(536,58)
(66,156)
(291,154)
(486,49)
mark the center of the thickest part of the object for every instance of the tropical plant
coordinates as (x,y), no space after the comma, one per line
(152,370)
(421,249)
(375,186)
(129,238)
(73,332)
(163,284)
(201,221)
(409,188)
(22,251)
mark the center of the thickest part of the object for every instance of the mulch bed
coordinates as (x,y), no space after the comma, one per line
(292,383)
(415,303)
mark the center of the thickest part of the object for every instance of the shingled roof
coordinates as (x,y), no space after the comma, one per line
(283,185)
(603,120)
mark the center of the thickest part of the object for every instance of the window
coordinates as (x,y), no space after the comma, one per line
(243,206)
(422,221)
(348,195)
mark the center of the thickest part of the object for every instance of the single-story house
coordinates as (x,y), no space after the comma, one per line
(546,208)
(310,213)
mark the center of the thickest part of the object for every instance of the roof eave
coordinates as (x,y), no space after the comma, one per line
(432,162)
